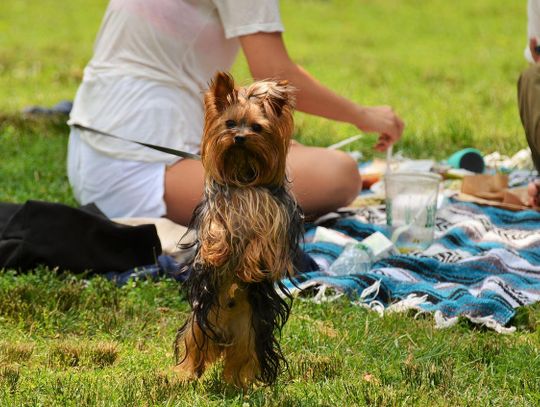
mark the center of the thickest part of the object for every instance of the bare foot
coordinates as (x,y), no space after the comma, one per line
(534,193)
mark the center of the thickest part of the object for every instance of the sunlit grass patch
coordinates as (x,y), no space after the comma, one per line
(15,352)
(9,377)
(315,368)
(81,353)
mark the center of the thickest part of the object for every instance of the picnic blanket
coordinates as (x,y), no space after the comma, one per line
(166,266)
(483,264)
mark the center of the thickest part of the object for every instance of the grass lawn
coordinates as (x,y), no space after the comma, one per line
(448,67)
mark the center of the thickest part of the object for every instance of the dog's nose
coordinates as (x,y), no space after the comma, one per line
(239,139)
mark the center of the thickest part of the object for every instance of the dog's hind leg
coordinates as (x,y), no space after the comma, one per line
(240,362)
(199,351)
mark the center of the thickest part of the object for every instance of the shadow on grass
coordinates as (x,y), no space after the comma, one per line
(34,124)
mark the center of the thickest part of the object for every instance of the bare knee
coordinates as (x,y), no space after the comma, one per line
(183,190)
(348,181)
(323,180)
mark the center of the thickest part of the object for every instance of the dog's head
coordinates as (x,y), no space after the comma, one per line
(247,132)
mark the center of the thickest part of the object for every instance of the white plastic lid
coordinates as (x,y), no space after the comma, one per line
(378,244)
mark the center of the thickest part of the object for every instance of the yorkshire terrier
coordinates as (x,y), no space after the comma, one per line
(248,228)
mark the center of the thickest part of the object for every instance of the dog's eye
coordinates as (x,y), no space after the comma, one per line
(230,124)
(256,127)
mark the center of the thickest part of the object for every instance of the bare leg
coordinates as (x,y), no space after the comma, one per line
(322,181)
(184,184)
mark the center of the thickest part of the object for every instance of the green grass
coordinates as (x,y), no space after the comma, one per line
(449,68)
(67,341)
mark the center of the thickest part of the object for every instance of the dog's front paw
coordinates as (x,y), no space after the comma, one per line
(242,375)
(186,372)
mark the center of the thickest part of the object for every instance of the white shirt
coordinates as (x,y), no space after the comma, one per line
(152,61)
(533,26)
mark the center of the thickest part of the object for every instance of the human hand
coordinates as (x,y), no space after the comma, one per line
(382,120)
(534,193)
(533,43)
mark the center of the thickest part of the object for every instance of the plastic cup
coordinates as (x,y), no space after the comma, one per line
(411,208)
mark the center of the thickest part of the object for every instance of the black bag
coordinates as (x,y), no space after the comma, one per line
(72,239)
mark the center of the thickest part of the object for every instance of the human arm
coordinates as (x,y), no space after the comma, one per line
(533,43)
(533,31)
(267,57)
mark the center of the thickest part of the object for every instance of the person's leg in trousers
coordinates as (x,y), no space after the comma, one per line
(529,111)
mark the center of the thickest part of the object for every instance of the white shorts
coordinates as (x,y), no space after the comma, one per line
(119,188)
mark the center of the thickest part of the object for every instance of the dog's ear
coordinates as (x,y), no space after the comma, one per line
(221,91)
(279,95)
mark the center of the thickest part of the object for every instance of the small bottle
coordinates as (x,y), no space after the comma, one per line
(355,258)
(359,257)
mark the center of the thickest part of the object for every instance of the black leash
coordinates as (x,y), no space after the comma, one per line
(168,150)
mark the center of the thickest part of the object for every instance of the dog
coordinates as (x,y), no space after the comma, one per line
(248,228)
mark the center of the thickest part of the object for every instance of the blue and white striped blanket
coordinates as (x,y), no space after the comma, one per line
(483,264)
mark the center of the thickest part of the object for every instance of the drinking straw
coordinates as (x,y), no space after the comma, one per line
(345,142)
(388,159)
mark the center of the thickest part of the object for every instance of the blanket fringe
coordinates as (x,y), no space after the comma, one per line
(411,302)
(374,305)
(371,304)
(442,322)
(415,302)
(327,293)
(372,289)
(321,295)
(368,301)
(489,322)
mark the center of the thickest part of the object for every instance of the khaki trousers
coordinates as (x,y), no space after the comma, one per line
(529,109)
